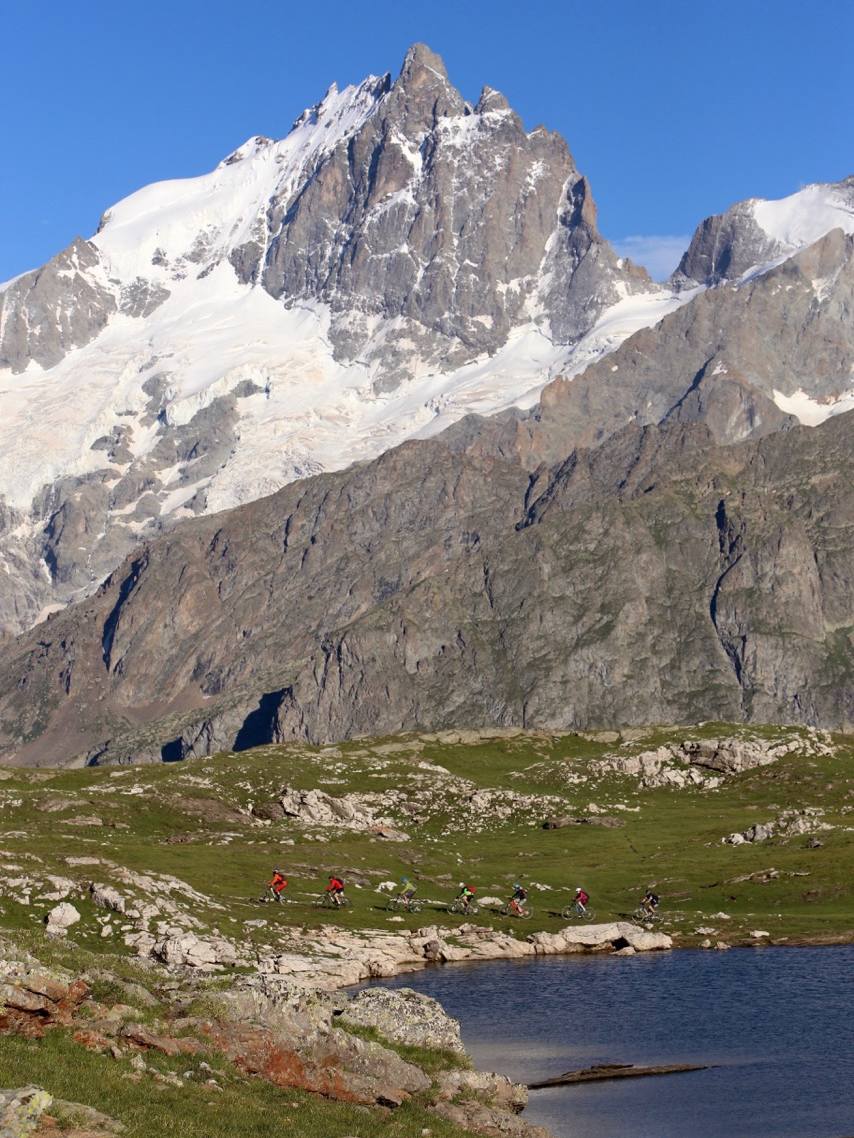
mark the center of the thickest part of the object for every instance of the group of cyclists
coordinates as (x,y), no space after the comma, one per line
(464,902)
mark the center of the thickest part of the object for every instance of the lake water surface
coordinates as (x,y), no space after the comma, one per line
(778,1023)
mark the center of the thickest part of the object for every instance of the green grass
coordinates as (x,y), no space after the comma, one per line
(672,840)
(240,1106)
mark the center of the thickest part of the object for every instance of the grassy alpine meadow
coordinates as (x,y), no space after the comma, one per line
(473,810)
(195,843)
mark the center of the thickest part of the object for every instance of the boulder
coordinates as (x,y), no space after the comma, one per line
(34,1001)
(203,953)
(592,938)
(21,1110)
(106,897)
(493,1090)
(605,820)
(60,919)
(404,1016)
(475,1118)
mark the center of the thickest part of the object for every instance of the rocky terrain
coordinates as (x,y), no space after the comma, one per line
(136,961)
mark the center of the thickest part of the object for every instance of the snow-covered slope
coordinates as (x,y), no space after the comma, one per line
(801,218)
(166,231)
(400,259)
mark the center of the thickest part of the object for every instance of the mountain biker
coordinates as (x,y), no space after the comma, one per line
(465,895)
(650,902)
(276,885)
(582,899)
(407,891)
(335,889)
(520,896)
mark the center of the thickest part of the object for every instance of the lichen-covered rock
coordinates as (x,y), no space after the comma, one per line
(106,897)
(489,1088)
(21,1110)
(405,1016)
(203,953)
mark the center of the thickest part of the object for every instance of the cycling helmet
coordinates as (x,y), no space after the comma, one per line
(462,885)
(578,889)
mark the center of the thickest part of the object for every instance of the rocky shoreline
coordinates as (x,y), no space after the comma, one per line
(291,1021)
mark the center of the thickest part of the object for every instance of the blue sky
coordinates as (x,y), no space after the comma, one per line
(673,109)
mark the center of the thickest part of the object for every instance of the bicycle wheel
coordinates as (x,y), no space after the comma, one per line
(455,907)
(472,910)
(568,912)
(393,904)
(415,906)
(588,915)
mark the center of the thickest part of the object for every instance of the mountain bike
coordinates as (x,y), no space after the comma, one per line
(577,912)
(327,901)
(466,910)
(644,916)
(408,904)
(514,909)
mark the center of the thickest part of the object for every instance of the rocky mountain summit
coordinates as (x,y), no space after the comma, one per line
(754,234)
(401,257)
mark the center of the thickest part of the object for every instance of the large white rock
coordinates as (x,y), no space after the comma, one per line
(60,919)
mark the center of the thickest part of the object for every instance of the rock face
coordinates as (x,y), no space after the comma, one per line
(728,596)
(443,216)
(745,360)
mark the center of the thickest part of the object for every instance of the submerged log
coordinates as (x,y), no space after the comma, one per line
(615,1071)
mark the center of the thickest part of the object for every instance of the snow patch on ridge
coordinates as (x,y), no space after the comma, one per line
(810,412)
(804,217)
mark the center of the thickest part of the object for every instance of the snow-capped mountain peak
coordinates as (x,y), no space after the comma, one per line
(398,259)
(803,217)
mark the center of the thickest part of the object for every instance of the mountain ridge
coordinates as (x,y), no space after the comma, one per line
(661,578)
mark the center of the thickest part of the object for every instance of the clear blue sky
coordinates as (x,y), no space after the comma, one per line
(673,109)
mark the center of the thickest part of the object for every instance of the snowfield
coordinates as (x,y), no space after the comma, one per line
(804,217)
